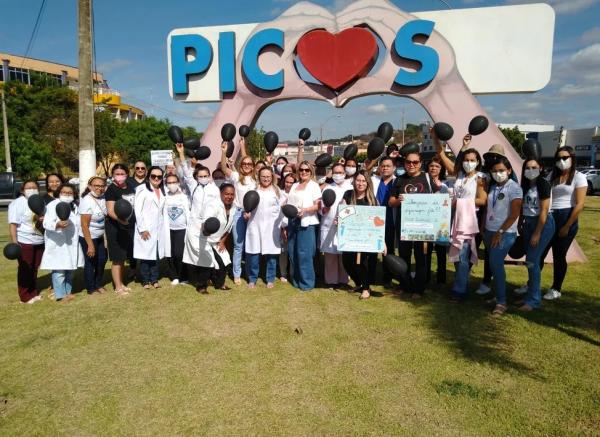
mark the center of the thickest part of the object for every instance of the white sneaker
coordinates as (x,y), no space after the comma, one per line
(483,289)
(552,294)
(175,282)
(521,290)
(33,300)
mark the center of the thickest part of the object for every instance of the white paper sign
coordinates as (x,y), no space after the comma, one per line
(161,158)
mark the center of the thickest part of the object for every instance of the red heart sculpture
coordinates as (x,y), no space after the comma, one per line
(336,60)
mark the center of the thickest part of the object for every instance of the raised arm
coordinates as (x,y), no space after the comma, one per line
(446,161)
(242,148)
(224,166)
(300,151)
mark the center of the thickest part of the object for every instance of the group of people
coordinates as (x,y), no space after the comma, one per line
(172,207)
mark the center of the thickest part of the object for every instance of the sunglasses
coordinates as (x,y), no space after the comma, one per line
(412,162)
(562,158)
(247,163)
(304,170)
(156,176)
(98,186)
(140,168)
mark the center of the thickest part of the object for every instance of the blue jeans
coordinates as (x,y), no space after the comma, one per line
(149,271)
(93,269)
(239,237)
(253,267)
(533,256)
(463,268)
(62,282)
(497,256)
(302,245)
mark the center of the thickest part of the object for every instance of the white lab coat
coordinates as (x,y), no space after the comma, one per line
(62,250)
(328,230)
(263,232)
(202,198)
(151,216)
(205,255)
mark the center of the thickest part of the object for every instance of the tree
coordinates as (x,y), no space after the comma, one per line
(31,158)
(515,137)
(106,127)
(255,146)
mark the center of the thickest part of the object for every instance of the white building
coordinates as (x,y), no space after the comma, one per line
(527,128)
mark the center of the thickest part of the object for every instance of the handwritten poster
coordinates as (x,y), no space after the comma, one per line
(161,158)
(425,217)
(361,228)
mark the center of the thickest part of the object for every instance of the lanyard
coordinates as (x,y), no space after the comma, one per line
(496,195)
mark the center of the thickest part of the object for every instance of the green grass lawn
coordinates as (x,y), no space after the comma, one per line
(279,362)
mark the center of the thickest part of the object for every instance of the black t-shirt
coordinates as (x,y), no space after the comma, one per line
(360,202)
(114,193)
(133,182)
(48,198)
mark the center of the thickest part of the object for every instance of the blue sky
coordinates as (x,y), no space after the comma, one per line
(131,52)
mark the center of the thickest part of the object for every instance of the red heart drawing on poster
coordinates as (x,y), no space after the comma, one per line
(337,59)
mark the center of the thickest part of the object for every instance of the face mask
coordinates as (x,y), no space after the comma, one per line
(350,171)
(399,172)
(203,180)
(532,173)
(338,178)
(286,173)
(564,165)
(30,192)
(119,179)
(321,180)
(500,176)
(219,182)
(279,168)
(67,199)
(469,166)
(173,188)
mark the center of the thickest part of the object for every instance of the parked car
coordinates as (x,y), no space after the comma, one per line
(10,187)
(593,178)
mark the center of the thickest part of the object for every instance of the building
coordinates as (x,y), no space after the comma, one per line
(585,142)
(527,128)
(32,71)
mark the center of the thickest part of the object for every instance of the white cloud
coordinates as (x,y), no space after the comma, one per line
(379,108)
(591,36)
(203,112)
(560,6)
(115,64)
(339,5)
(575,90)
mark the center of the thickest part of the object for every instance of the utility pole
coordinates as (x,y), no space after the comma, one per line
(402,126)
(87,149)
(6,141)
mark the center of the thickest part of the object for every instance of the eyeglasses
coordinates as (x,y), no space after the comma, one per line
(412,162)
(98,186)
(156,176)
(562,158)
(304,170)
(140,168)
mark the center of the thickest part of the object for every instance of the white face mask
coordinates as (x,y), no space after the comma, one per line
(500,176)
(173,188)
(322,180)
(67,199)
(532,173)
(203,180)
(286,173)
(564,165)
(350,171)
(279,168)
(338,178)
(30,192)
(219,182)
(469,166)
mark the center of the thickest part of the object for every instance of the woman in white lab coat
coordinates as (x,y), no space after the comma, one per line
(335,274)
(63,254)
(264,229)
(151,240)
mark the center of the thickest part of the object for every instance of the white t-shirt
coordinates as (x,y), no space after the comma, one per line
(241,189)
(498,205)
(563,195)
(20,215)
(305,199)
(178,207)
(97,209)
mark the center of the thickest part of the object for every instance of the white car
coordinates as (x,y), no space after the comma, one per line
(593,178)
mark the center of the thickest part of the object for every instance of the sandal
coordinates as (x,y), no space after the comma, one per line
(283,279)
(147,287)
(499,310)
(525,308)
(156,285)
(251,285)
(270,285)
(121,291)
(365,295)
(237,281)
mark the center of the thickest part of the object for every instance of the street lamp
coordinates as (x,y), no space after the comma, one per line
(324,123)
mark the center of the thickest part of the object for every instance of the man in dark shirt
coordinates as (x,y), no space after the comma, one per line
(139,175)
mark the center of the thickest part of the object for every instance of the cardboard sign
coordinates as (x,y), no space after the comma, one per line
(425,217)
(361,228)
(161,158)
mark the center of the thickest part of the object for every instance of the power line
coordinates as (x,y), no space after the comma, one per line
(34,32)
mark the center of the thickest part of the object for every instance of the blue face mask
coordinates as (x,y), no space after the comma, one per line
(399,171)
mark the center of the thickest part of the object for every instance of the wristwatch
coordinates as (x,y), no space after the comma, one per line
(501,231)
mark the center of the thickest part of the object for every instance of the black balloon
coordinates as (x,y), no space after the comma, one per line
(478,125)
(244,131)
(328,197)
(290,211)
(443,131)
(63,210)
(36,204)
(517,251)
(532,149)
(391,149)
(176,134)
(202,152)
(385,131)
(211,225)
(123,209)
(191,143)
(228,131)
(189,153)
(375,148)
(409,148)
(230,148)
(271,140)
(350,151)
(395,265)
(304,133)
(251,200)
(12,251)
(323,160)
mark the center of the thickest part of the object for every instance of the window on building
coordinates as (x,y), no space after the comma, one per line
(1,74)
(20,74)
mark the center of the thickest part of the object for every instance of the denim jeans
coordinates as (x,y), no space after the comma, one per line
(463,268)
(302,244)
(239,237)
(497,256)
(93,269)
(149,271)
(253,267)
(533,255)
(560,246)
(62,282)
